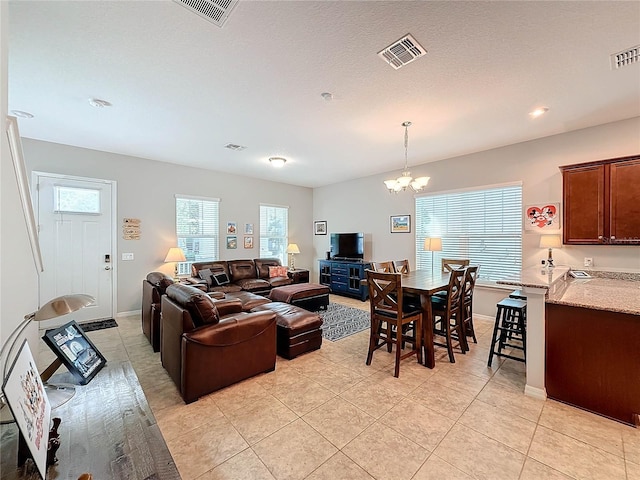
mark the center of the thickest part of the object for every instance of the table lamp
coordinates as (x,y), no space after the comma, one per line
(175,254)
(292,250)
(57,307)
(550,242)
(432,244)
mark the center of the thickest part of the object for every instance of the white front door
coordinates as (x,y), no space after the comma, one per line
(75,230)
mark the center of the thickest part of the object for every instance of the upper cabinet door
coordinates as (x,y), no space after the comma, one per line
(602,202)
(625,202)
(584,205)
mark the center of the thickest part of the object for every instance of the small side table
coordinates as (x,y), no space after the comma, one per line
(299,275)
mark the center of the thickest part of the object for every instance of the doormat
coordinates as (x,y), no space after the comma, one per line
(96,325)
(340,321)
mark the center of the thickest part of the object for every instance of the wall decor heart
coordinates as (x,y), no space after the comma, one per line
(545,217)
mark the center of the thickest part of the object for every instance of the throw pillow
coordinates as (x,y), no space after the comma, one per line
(219,279)
(205,274)
(279,271)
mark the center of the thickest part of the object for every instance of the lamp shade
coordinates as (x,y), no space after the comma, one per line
(433,244)
(293,248)
(62,305)
(175,254)
(550,241)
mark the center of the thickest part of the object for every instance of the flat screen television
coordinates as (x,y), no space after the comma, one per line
(347,245)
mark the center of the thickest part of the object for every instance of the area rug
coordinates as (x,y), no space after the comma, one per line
(341,321)
(96,325)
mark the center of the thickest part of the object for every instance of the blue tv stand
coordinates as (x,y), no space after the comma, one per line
(344,277)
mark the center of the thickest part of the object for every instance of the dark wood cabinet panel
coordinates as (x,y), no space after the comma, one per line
(602,202)
(592,359)
(625,201)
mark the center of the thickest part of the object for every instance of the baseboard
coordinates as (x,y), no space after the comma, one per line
(128,314)
(535,392)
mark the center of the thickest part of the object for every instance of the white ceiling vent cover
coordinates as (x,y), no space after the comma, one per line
(216,11)
(626,57)
(402,52)
(235,147)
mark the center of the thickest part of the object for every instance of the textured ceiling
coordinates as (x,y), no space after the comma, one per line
(182,88)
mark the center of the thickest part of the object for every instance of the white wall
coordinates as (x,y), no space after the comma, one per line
(364,205)
(18,277)
(146,190)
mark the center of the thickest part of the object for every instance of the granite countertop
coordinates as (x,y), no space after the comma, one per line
(600,293)
(536,277)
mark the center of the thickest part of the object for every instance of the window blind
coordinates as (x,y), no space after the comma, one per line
(483,225)
(274,232)
(197,230)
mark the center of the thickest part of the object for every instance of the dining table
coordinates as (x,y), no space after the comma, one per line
(426,283)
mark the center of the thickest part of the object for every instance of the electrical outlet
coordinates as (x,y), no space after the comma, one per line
(127,256)
(588,262)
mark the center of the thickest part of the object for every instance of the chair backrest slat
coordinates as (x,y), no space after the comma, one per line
(384,267)
(401,266)
(449,264)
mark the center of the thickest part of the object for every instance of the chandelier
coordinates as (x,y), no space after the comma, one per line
(405,179)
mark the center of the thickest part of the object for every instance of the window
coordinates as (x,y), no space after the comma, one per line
(274,232)
(483,225)
(76,200)
(197,230)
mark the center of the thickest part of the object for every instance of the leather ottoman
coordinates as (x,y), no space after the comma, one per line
(297,330)
(311,296)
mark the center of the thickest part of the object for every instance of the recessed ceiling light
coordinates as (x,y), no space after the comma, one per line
(538,112)
(96,102)
(277,162)
(327,96)
(21,114)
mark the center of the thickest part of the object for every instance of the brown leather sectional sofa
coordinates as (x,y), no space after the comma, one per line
(242,275)
(208,344)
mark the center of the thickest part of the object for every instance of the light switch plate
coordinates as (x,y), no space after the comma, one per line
(127,256)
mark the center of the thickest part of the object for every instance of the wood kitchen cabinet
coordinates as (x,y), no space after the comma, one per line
(602,202)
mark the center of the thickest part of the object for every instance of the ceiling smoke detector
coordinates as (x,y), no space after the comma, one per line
(215,11)
(98,103)
(402,52)
(234,147)
(625,57)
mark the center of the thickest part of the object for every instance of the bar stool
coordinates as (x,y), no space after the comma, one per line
(510,326)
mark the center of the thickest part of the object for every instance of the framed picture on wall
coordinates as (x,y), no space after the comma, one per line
(232,227)
(232,243)
(248,242)
(542,217)
(400,223)
(320,228)
(248,228)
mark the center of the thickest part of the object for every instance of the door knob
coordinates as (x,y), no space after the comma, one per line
(107,267)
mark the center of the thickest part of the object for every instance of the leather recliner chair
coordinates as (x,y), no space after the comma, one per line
(153,287)
(208,344)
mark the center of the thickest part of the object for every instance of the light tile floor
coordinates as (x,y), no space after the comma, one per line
(326,415)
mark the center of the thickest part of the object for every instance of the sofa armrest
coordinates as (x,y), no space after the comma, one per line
(216,295)
(215,356)
(196,281)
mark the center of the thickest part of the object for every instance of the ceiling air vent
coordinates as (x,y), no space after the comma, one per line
(216,11)
(626,57)
(402,52)
(234,147)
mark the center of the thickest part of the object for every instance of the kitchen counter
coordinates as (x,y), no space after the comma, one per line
(607,294)
(536,277)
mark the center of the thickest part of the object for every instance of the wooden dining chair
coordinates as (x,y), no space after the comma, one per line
(383,267)
(401,266)
(449,264)
(448,316)
(470,275)
(390,316)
